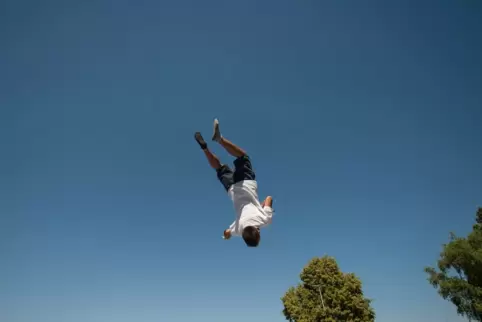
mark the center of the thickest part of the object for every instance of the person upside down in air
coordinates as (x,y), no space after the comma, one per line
(242,188)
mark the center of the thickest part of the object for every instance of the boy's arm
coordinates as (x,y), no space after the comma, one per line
(229,232)
(268,202)
(268,209)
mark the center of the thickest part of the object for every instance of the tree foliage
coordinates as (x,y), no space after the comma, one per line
(341,293)
(459,275)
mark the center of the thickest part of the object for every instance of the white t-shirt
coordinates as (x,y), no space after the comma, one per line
(249,211)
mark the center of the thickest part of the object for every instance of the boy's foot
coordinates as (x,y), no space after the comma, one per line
(216,132)
(200,140)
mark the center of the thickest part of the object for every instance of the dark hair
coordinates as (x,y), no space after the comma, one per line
(251,236)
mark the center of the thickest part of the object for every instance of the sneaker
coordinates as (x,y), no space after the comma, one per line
(216,132)
(200,140)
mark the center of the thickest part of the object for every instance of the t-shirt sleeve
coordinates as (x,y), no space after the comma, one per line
(233,229)
(268,211)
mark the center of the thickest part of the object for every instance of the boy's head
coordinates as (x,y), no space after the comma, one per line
(251,236)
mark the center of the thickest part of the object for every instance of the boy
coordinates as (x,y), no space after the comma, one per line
(242,187)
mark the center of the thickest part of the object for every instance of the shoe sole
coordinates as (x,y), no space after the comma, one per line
(216,133)
(199,138)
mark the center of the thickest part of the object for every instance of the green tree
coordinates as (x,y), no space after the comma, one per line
(459,275)
(327,294)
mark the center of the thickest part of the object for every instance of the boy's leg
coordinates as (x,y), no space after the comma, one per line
(212,158)
(224,173)
(230,147)
(243,168)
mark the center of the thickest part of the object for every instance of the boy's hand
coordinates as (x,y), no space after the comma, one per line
(227,234)
(268,202)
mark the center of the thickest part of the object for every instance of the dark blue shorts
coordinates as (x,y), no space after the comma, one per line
(243,170)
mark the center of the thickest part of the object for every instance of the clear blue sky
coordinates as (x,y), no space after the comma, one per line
(363,120)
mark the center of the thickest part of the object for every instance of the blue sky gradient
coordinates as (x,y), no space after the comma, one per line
(363,120)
